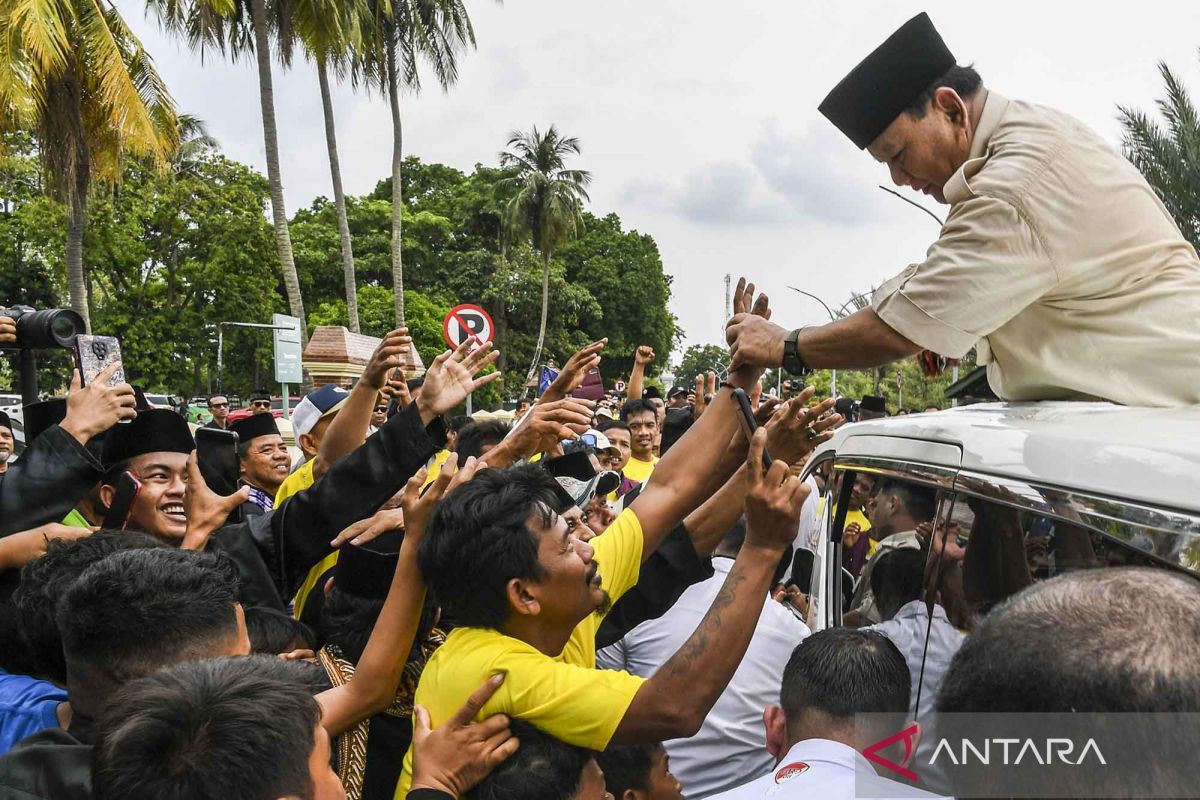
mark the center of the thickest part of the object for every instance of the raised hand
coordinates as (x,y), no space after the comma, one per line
(205,509)
(95,408)
(644,355)
(773,499)
(850,535)
(451,378)
(382,521)
(544,427)
(397,389)
(753,339)
(795,431)
(574,371)
(386,358)
(453,757)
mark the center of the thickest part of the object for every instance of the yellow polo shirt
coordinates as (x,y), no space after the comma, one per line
(565,696)
(298,481)
(638,470)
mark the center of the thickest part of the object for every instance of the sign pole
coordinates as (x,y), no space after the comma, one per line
(469,398)
(286,414)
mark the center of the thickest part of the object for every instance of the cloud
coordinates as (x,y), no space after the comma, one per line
(786,178)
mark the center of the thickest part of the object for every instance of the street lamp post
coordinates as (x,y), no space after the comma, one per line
(832,318)
(221,348)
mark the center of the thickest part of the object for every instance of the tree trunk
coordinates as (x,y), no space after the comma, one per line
(76,221)
(283,238)
(339,198)
(397,193)
(537,351)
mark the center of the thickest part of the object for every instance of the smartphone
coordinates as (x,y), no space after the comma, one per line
(216,453)
(117,516)
(749,423)
(94,353)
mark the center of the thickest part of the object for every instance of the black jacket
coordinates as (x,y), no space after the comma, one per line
(275,551)
(46,482)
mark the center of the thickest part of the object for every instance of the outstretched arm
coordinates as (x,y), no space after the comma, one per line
(676,700)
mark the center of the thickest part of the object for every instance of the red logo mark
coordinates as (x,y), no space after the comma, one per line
(790,771)
(907,735)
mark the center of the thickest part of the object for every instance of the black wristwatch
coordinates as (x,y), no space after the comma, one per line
(793,362)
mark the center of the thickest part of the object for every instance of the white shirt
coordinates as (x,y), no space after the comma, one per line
(907,632)
(820,769)
(731,744)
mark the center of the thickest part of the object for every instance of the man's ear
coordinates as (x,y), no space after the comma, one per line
(107,493)
(522,598)
(305,440)
(775,721)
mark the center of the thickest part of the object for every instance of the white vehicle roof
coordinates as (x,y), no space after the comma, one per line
(1150,455)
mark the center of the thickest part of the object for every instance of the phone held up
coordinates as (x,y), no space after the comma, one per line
(93,354)
(749,423)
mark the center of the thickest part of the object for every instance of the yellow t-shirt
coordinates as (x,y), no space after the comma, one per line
(638,470)
(298,481)
(435,468)
(565,696)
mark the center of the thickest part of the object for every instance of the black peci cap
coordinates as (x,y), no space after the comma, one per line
(887,81)
(159,430)
(254,426)
(367,570)
(41,416)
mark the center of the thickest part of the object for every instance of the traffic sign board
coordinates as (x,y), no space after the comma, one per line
(288,367)
(465,321)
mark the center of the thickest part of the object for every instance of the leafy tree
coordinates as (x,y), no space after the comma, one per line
(1169,157)
(239,28)
(699,359)
(407,32)
(425,317)
(74,74)
(545,201)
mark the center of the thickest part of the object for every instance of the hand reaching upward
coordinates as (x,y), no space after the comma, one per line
(451,378)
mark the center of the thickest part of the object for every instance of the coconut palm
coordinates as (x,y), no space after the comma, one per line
(408,32)
(546,201)
(238,28)
(74,73)
(1169,157)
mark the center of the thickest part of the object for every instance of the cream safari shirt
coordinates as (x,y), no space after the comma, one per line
(1061,264)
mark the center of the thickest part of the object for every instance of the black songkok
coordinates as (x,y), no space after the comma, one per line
(887,81)
(254,426)
(159,430)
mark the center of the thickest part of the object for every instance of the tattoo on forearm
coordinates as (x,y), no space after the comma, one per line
(695,646)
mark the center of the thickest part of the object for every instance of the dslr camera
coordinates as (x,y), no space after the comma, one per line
(45,329)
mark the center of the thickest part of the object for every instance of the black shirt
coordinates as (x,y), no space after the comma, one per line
(53,764)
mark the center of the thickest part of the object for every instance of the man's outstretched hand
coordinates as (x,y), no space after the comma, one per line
(93,409)
(205,509)
(386,358)
(773,499)
(451,378)
(752,337)
(544,426)
(574,371)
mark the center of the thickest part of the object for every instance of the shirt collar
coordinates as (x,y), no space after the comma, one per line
(916,608)
(994,107)
(825,750)
(722,564)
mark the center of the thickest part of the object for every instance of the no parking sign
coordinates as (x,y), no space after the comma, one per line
(465,321)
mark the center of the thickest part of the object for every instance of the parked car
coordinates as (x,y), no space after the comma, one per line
(276,408)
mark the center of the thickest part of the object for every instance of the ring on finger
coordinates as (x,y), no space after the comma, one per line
(810,432)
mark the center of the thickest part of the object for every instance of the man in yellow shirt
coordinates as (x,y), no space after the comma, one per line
(642,419)
(530,596)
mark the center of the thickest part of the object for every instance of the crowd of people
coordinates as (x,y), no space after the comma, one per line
(609,599)
(598,600)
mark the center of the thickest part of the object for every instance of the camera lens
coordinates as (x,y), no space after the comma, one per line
(52,327)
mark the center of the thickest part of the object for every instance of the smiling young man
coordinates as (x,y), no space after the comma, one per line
(1057,260)
(641,417)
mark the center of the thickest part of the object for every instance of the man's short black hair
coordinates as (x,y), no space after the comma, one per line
(273,632)
(543,768)
(636,406)
(963,80)
(237,728)
(843,672)
(607,424)
(137,611)
(921,501)
(479,539)
(896,579)
(1101,640)
(627,767)
(474,437)
(45,580)
(457,423)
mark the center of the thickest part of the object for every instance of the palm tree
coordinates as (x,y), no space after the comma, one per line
(546,202)
(73,73)
(238,27)
(334,40)
(408,32)
(1168,158)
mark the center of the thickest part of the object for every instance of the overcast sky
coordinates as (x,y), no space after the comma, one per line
(698,119)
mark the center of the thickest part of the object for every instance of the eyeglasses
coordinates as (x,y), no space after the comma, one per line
(380,409)
(261,404)
(218,405)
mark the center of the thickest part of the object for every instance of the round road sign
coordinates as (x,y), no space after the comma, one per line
(465,321)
